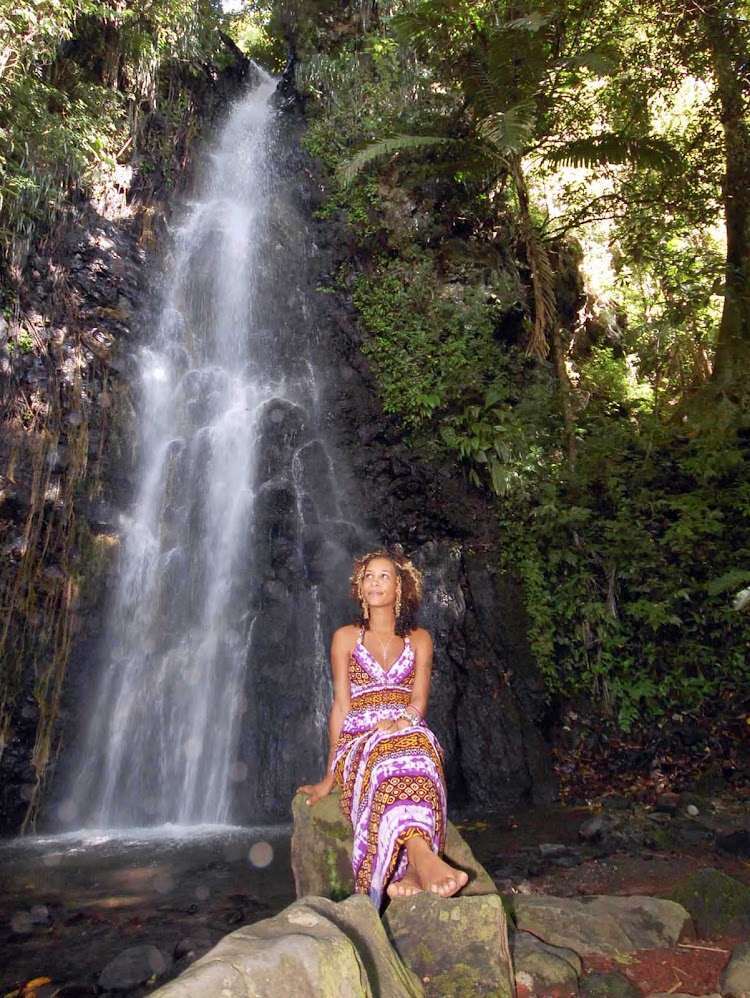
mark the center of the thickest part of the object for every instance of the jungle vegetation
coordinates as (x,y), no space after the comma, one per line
(551,201)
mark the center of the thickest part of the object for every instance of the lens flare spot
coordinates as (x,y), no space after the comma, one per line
(163,882)
(67,812)
(192,748)
(238,772)
(21,923)
(261,854)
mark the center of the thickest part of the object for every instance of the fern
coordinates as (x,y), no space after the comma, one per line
(612,148)
(386,147)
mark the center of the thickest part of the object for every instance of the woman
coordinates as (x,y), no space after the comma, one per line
(386,760)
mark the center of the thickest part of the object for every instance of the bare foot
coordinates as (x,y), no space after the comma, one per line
(404,887)
(433,873)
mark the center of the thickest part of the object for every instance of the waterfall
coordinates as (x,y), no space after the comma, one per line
(191,722)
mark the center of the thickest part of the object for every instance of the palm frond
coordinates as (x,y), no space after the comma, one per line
(510,131)
(598,61)
(612,148)
(533,22)
(386,147)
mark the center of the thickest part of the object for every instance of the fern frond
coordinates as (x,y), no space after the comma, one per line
(534,22)
(386,147)
(612,148)
(597,61)
(509,131)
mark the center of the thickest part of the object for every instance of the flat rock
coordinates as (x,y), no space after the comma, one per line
(322,852)
(456,946)
(314,947)
(601,924)
(736,977)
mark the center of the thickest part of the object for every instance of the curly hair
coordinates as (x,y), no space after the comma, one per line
(408,578)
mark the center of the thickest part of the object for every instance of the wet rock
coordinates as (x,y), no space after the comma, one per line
(132,967)
(280,428)
(667,803)
(192,947)
(609,985)
(600,924)
(736,977)
(322,852)
(718,904)
(317,479)
(539,968)
(314,947)
(454,945)
(736,842)
(552,850)
(599,829)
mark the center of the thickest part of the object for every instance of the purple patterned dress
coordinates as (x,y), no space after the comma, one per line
(392,785)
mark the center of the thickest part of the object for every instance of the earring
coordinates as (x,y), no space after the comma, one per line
(363,603)
(397,607)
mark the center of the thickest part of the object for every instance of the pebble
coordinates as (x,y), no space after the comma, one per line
(692,810)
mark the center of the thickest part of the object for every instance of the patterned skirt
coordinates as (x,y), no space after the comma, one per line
(392,787)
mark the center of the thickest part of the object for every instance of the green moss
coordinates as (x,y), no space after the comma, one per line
(461,981)
(716,902)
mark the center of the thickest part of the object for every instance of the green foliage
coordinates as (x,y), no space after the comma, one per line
(76,77)
(630,562)
(580,118)
(431,351)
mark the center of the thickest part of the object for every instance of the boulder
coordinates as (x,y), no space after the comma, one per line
(601,925)
(314,947)
(540,968)
(736,977)
(322,852)
(132,967)
(718,904)
(456,946)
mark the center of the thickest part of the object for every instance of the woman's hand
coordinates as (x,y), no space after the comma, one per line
(317,790)
(391,726)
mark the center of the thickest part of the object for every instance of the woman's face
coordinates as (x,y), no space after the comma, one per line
(379,582)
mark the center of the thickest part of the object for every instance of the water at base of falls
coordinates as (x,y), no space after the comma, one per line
(182,721)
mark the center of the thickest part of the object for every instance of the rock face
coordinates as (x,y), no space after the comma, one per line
(322,852)
(313,948)
(487,701)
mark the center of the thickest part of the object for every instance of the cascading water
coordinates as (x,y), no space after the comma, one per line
(191,723)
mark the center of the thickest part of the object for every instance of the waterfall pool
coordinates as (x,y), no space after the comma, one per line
(71,903)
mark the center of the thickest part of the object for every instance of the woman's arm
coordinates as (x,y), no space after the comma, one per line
(341,650)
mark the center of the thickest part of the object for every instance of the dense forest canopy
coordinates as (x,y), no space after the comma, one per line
(551,206)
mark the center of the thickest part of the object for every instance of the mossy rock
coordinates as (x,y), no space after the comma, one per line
(456,946)
(322,852)
(718,904)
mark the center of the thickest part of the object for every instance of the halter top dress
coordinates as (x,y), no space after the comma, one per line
(392,784)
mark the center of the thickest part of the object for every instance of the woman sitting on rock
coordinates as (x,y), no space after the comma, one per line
(386,760)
